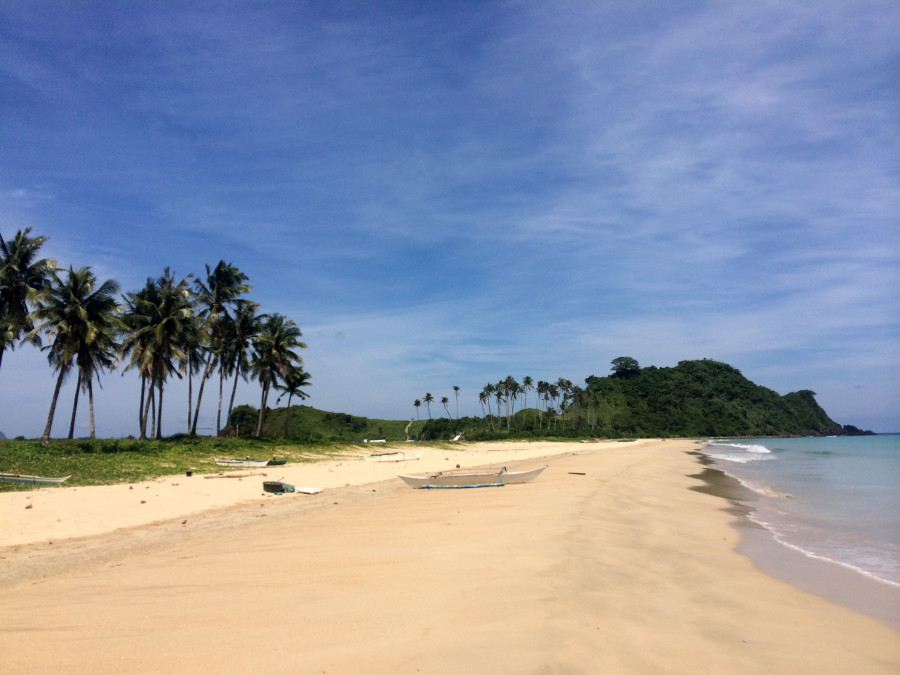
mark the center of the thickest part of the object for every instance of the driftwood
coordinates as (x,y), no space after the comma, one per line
(237,475)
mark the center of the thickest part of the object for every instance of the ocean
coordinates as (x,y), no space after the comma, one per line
(834,499)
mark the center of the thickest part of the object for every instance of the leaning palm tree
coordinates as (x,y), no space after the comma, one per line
(215,297)
(239,332)
(444,402)
(293,380)
(428,400)
(22,276)
(274,355)
(79,316)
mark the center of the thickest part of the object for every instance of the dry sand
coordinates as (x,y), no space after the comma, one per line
(607,563)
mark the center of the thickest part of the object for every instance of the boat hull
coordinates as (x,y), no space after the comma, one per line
(242,462)
(493,478)
(32,480)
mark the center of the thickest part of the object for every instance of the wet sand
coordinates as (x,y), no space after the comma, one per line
(606,563)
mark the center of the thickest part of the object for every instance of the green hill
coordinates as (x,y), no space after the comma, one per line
(694,398)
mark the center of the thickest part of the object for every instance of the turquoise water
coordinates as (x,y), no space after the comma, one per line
(835,499)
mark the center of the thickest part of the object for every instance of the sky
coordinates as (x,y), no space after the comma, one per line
(442,194)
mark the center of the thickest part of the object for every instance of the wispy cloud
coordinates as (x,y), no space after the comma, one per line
(447,195)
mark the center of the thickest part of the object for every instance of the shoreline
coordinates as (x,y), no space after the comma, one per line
(832,581)
(607,561)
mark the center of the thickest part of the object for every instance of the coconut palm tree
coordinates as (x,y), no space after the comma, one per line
(274,355)
(217,295)
(293,380)
(22,275)
(418,404)
(444,402)
(485,395)
(80,317)
(161,328)
(239,332)
(428,401)
(137,343)
(456,393)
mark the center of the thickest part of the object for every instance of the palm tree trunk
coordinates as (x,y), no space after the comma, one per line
(90,388)
(142,419)
(146,413)
(74,406)
(206,372)
(153,413)
(262,409)
(219,413)
(59,380)
(287,415)
(231,401)
(159,413)
(190,392)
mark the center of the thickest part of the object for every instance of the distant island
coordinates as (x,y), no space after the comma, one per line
(695,398)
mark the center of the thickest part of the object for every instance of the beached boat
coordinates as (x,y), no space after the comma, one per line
(468,479)
(276,462)
(32,480)
(242,462)
(393,457)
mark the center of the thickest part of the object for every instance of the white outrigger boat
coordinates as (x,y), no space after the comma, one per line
(393,457)
(469,479)
(242,462)
(32,480)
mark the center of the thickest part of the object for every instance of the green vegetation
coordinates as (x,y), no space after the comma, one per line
(695,398)
(165,329)
(114,461)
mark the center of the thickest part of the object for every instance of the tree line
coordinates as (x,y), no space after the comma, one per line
(694,398)
(202,327)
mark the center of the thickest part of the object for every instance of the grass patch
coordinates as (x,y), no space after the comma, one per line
(114,461)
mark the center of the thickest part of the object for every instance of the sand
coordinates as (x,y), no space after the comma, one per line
(606,563)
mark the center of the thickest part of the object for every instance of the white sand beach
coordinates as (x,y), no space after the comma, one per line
(608,562)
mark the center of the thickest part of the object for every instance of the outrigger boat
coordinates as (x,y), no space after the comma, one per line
(242,462)
(32,480)
(393,457)
(470,479)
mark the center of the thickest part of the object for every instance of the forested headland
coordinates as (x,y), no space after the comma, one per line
(693,399)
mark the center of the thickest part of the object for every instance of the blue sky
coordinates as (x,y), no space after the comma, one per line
(447,193)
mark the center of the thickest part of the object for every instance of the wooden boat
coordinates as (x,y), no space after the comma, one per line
(393,457)
(468,479)
(242,462)
(276,462)
(32,480)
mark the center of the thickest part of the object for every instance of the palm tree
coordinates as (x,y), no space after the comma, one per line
(456,392)
(80,317)
(138,340)
(444,402)
(527,384)
(239,332)
(428,400)
(22,275)
(418,404)
(274,356)
(294,378)
(486,394)
(161,332)
(220,292)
